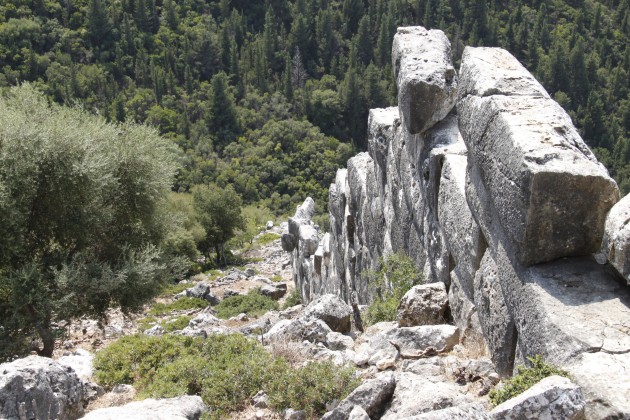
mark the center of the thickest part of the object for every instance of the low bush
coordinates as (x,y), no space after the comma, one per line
(173,289)
(181,304)
(525,379)
(252,304)
(310,387)
(396,276)
(225,370)
(176,324)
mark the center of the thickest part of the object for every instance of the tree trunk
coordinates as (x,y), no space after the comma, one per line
(42,326)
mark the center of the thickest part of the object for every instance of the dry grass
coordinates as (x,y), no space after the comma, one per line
(474,345)
(291,351)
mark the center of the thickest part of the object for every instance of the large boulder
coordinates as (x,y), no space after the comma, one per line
(423,304)
(39,388)
(274,291)
(332,310)
(426,79)
(187,407)
(532,174)
(371,396)
(554,397)
(416,394)
(616,243)
(471,411)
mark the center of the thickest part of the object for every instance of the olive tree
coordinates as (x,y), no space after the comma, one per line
(80,216)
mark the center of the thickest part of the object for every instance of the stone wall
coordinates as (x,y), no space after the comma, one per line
(482,179)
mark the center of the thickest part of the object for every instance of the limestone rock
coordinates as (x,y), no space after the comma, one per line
(201,291)
(274,291)
(308,240)
(494,71)
(260,400)
(80,361)
(423,305)
(291,414)
(616,243)
(358,413)
(472,411)
(338,341)
(38,387)
(371,396)
(181,408)
(542,183)
(332,310)
(416,394)
(288,242)
(426,79)
(554,397)
(418,341)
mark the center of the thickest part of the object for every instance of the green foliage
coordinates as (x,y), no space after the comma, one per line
(396,276)
(525,379)
(226,370)
(176,324)
(80,215)
(253,304)
(310,387)
(181,304)
(169,290)
(219,213)
(266,238)
(293,299)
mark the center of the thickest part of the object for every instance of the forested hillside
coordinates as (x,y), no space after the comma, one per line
(272,96)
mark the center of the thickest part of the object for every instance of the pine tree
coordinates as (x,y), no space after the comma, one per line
(363,43)
(98,25)
(172,16)
(298,71)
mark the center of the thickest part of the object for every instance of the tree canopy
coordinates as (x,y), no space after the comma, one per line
(80,212)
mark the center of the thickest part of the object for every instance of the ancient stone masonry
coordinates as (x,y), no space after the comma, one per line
(482,179)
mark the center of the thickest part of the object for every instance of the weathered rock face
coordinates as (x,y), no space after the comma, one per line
(554,397)
(616,243)
(38,387)
(554,194)
(426,79)
(501,202)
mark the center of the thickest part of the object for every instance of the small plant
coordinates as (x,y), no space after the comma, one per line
(253,304)
(181,304)
(525,379)
(396,276)
(276,278)
(293,299)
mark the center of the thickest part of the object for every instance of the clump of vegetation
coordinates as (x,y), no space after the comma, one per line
(311,387)
(181,304)
(253,304)
(525,379)
(276,278)
(293,299)
(176,324)
(226,371)
(396,276)
(173,289)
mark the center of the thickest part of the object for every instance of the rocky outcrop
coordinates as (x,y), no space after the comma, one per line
(39,388)
(500,201)
(371,396)
(423,305)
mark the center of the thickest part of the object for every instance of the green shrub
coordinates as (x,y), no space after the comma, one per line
(181,304)
(225,370)
(276,278)
(396,276)
(525,379)
(253,304)
(171,289)
(176,324)
(293,299)
(310,387)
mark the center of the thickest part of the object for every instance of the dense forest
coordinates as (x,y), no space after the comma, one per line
(271,97)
